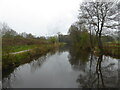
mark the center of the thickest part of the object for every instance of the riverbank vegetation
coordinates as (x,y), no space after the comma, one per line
(94,30)
(13,60)
(112,49)
(31,47)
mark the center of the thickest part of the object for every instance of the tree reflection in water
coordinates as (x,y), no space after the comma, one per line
(36,64)
(95,71)
(90,71)
(33,65)
(98,71)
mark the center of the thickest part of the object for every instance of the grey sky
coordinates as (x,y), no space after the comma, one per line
(39,17)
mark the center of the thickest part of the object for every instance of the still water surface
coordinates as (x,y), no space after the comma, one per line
(65,69)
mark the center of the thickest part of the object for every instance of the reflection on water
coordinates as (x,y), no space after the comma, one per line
(72,68)
(95,71)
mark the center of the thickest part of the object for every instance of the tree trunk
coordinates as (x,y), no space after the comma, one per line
(91,40)
(100,45)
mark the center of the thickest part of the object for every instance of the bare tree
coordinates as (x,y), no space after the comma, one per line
(96,14)
(3,28)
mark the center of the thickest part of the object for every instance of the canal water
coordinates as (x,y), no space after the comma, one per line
(66,69)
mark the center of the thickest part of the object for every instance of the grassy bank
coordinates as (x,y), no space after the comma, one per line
(20,48)
(13,60)
(112,49)
(14,44)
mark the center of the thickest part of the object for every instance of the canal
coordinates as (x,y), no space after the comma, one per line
(71,68)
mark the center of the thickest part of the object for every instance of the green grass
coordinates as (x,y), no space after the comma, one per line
(21,48)
(18,48)
(112,49)
(13,60)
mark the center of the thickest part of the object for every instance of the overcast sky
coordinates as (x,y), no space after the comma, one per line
(39,17)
